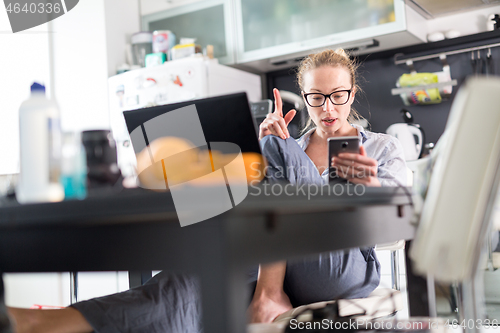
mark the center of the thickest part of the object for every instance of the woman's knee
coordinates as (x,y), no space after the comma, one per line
(331,276)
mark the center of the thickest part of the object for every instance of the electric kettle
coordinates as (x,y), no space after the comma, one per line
(410,135)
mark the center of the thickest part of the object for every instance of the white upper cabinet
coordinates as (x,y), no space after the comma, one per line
(273,34)
(283,26)
(209,21)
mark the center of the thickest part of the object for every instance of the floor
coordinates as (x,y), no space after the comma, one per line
(25,290)
(492,294)
(386,278)
(28,290)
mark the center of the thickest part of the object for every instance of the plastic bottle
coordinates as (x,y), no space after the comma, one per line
(40,143)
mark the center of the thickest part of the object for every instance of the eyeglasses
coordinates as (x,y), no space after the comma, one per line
(339,97)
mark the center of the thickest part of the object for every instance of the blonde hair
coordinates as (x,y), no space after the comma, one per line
(334,58)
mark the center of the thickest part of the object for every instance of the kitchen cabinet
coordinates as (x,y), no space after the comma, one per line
(273,34)
(267,35)
(275,24)
(210,22)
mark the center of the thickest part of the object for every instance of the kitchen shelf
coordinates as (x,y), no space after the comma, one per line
(441,54)
(405,90)
(421,49)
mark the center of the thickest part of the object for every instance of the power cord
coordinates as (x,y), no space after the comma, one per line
(405,189)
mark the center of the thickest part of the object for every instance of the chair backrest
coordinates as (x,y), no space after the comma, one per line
(463,185)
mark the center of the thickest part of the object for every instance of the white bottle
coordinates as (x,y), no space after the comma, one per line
(40,143)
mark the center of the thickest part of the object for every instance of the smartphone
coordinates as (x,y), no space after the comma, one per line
(345,144)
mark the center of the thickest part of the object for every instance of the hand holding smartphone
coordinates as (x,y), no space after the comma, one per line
(337,145)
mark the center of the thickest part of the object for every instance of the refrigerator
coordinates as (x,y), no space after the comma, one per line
(174,81)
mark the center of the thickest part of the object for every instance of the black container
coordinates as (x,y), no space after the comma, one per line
(102,167)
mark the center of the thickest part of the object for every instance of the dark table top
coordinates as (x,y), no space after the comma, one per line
(136,229)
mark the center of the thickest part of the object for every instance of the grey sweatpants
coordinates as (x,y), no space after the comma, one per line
(166,303)
(171,302)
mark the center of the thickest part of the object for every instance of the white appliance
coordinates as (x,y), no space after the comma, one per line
(411,139)
(174,81)
(410,135)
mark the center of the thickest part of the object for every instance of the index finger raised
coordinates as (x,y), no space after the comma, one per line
(278,103)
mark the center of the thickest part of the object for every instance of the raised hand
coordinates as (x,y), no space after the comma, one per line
(275,123)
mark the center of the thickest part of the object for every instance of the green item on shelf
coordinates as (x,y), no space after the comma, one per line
(422,96)
(155,59)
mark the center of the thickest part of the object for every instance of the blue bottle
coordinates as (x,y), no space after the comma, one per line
(73,167)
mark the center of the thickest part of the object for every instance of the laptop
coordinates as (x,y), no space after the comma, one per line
(223,124)
(225,118)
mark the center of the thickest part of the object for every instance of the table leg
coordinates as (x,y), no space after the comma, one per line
(138,278)
(224,302)
(224,289)
(4,319)
(417,289)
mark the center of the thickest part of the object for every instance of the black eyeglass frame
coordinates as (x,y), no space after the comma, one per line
(328,96)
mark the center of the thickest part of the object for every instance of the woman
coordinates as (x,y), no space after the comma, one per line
(170,303)
(327,81)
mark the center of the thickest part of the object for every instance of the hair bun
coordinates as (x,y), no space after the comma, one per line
(341,52)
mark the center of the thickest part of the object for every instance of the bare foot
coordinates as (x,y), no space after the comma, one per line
(67,320)
(265,308)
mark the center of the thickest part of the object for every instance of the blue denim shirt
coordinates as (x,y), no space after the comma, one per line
(386,149)
(288,161)
(350,273)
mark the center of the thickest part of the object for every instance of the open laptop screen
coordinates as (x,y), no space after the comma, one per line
(223,119)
